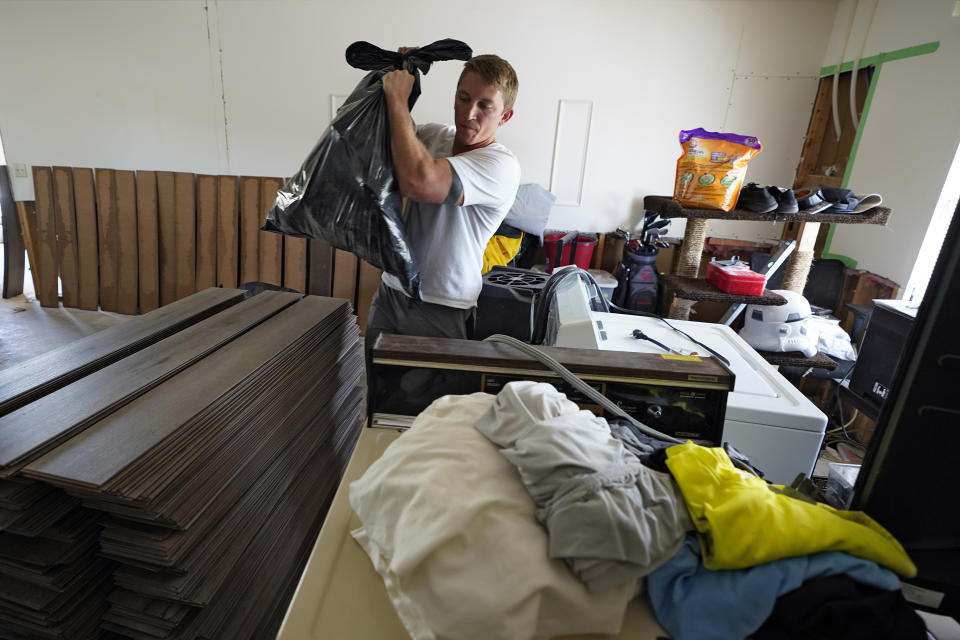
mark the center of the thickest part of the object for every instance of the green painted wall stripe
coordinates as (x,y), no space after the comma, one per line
(899,54)
(877,61)
(826,255)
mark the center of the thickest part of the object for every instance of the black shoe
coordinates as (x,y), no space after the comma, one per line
(756,199)
(786,200)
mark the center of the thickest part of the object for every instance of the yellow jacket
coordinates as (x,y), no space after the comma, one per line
(743,523)
(501,249)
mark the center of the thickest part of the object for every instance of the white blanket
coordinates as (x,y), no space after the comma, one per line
(451,529)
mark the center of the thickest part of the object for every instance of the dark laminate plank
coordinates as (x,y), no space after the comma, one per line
(249,452)
(206,231)
(127,247)
(108,238)
(202,573)
(159,483)
(320,269)
(203,569)
(148,248)
(99,452)
(199,498)
(40,426)
(88,262)
(16,496)
(46,237)
(345,266)
(29,380)
(368,279)
(256,610)
(66,235)
(186,234)
(228,231)
(27,217)
(167,236)
(249,230)
(295,263)
(271,244)
(13,241)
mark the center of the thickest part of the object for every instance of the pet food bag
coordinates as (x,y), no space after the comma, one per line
(711,170)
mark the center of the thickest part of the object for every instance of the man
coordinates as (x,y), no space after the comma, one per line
(459,183)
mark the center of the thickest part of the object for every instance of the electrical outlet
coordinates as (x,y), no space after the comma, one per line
(19,170)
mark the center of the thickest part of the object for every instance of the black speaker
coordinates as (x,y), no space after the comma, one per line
(887,332)
(508,301)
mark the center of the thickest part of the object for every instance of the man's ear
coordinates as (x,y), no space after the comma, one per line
(506,116)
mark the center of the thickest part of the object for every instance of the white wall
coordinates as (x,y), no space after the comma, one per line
(109,84)
(244,87)
(911,132)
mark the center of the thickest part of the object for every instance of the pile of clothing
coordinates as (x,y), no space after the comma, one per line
(722,553)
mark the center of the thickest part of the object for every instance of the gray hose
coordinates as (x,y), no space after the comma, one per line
(836,74)
(582,386)
(856,63)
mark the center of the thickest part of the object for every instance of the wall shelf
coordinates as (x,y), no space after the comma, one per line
(798,267)
(700,290)
(797,359)
(669,208)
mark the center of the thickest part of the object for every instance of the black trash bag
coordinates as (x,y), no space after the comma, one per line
(345,193)
(637,279)
(256,288)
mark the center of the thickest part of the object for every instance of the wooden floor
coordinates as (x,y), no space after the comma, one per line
(28,330)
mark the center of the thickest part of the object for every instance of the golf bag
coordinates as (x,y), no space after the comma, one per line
(637,280)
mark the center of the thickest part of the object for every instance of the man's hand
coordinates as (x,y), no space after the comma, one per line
(397,85)
(420,176)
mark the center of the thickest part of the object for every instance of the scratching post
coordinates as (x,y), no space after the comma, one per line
(795,278)
(798,267)
(680,309)
(689,263)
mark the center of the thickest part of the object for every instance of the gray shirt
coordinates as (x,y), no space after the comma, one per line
(612,519)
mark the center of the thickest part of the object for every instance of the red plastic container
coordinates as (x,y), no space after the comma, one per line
(736,278)
(585,245)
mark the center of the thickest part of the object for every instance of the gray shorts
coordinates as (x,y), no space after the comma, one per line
(393,312)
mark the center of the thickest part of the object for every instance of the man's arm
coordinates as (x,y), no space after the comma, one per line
(420,176)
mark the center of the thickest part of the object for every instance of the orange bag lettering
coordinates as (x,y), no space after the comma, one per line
(711,170)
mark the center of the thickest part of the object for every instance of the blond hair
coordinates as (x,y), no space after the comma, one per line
(497,72)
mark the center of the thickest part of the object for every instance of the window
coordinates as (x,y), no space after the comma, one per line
(933,239)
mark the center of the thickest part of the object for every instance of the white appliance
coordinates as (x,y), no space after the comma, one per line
(767,418)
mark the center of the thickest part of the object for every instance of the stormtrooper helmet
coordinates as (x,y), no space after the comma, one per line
(781,328)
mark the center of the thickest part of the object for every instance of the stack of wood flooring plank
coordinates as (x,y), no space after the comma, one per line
(34,378)
(53,581)
(209,457)
(53,584)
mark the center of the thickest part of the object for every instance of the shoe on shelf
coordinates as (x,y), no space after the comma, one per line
(786,200)
(755,198)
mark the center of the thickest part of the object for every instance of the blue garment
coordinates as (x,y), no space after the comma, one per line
(694,603)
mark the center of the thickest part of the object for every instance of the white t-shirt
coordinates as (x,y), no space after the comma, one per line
(448,241)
